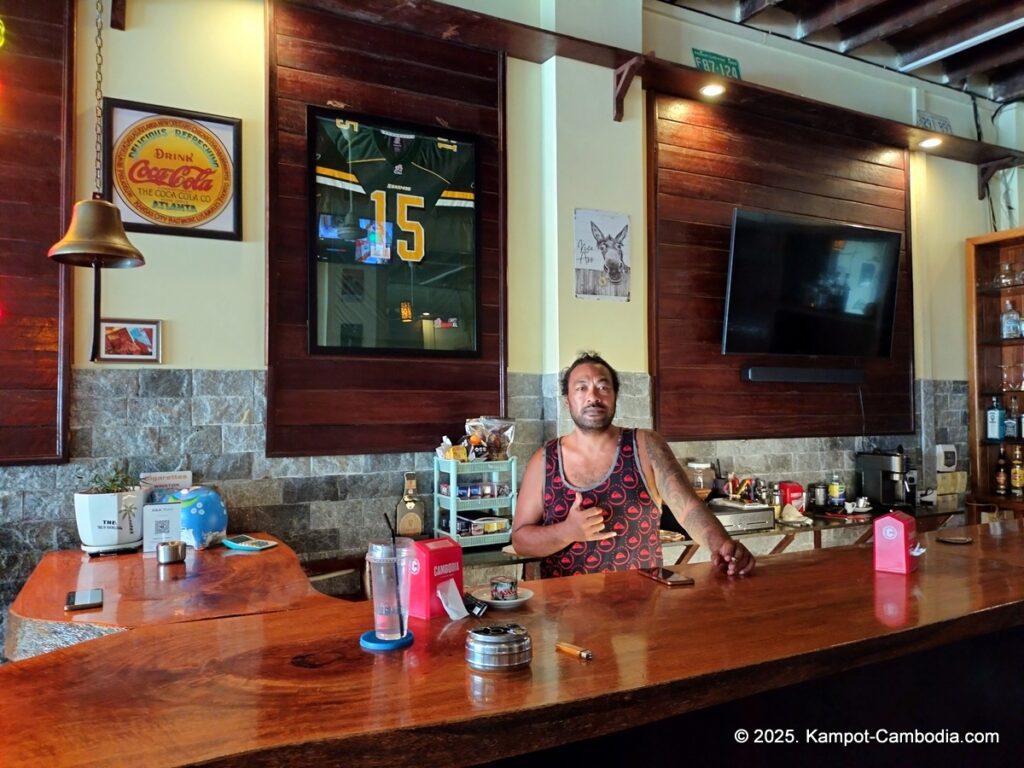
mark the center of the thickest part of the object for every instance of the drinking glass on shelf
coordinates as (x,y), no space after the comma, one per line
(1015,376)
(1004,381)
(1006,277)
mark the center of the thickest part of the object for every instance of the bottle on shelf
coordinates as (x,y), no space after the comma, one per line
(1002,474)
(1006,277)
(995,421)
(1011,423)
(1017,473)
(1009,321)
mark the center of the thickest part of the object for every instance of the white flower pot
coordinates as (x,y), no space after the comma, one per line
(109,519)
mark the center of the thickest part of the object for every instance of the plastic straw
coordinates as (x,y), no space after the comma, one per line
(398,586)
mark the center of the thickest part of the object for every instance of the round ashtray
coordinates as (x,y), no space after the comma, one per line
(170,552)
(500,646)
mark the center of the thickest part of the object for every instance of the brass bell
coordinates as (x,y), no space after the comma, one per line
(96,238)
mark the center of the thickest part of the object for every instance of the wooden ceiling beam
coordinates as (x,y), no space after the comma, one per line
(1009,89)
(750,8)
(898,22)
(830,14)
(963,36)
(989,58)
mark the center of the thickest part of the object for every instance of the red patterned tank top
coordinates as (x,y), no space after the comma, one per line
(633,515)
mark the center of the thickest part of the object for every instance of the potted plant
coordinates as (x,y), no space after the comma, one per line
(109,512)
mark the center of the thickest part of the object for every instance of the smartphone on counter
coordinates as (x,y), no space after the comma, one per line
(666,576)
(84,598)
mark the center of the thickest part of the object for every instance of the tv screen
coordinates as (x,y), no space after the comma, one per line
(800,286)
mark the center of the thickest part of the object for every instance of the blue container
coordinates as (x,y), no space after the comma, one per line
(204,519)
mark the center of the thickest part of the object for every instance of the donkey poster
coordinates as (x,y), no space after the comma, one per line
(601,252)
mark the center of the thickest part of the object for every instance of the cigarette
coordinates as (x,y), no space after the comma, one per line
(574,650)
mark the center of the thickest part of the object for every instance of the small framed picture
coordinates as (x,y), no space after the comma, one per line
(130,341)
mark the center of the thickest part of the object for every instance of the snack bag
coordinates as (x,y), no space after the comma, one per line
(488,437)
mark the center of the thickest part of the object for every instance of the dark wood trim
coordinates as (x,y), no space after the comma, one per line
(624,75)
(678,80)
(118,11)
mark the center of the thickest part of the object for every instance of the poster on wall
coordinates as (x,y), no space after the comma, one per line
(171,171)
(601,254)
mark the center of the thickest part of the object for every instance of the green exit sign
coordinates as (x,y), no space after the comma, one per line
(717,64)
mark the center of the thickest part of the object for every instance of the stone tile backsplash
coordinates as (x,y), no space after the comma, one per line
(212,422)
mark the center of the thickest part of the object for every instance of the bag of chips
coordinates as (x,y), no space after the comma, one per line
(488,437)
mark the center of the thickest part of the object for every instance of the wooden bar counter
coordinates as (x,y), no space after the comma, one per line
(294,687)
(138,592)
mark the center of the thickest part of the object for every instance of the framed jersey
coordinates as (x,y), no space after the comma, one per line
(392,209)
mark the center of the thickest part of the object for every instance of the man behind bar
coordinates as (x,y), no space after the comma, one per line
(591,501)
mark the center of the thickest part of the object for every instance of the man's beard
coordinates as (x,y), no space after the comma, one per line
(597,421)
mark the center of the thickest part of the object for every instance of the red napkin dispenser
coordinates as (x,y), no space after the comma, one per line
(895,537)
(433,562)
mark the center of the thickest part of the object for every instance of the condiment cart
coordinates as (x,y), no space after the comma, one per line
(468,486)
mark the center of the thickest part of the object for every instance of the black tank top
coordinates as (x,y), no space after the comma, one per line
(633,515)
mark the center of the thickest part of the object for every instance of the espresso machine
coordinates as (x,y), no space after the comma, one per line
(883,476)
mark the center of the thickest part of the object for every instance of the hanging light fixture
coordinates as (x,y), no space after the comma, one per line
(95,237)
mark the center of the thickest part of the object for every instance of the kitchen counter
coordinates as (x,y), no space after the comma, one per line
(293,686)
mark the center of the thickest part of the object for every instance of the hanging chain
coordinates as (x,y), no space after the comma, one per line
(99,93)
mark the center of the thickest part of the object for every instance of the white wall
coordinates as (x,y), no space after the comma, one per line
(209,293)
(564,152)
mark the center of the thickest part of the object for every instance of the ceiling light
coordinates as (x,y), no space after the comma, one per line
(934,141)
(712,90)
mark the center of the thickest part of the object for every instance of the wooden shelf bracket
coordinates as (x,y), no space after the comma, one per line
(624,75)
(987,170)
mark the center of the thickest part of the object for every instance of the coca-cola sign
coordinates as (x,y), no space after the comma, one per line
(173,171)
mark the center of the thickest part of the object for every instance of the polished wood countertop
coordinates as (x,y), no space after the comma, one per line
(139,592)
(295,687)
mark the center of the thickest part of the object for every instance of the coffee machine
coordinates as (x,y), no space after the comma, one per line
(883,476)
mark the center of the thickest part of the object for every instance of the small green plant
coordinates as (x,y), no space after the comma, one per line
(115,481)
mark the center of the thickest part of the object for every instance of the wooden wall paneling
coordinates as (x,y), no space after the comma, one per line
(322,404)
(36,109)
(708,160)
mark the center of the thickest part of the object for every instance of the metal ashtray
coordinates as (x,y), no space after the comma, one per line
(170,552)
(501,646)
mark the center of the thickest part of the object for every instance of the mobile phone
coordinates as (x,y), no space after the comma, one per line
(84,598)
(241,541)
(666,576)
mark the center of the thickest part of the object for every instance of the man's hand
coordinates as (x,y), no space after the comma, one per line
(733,558)
(586,524)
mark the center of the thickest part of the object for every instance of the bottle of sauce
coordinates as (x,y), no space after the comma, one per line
(1017,473)
(1002,475)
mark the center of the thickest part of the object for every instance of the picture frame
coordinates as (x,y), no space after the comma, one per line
(173,171)
(393,234)
(130,341)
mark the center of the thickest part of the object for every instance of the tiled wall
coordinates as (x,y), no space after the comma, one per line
(212,423)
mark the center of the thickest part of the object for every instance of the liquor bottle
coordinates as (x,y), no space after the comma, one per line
(995,421)
(1017,473)
(1012,420)
(1002,475)
(1009,322)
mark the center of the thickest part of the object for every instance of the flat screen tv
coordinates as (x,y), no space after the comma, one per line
(801,286)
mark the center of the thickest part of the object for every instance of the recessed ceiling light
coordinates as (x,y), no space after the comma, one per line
(934,141)
(713,89)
